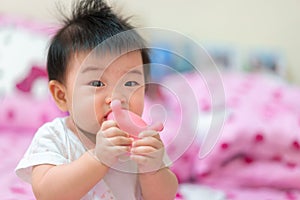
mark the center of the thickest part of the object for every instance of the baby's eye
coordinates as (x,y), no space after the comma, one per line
(131,83)
(97,84)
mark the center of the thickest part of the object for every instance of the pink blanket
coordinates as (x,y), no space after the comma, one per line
(257,154)
(12,148)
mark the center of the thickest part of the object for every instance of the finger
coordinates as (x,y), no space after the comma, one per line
(144,151)
(120,141)
(120,150)
(108,124)
(113,132)
(113,151)
(149,133)
(148,141)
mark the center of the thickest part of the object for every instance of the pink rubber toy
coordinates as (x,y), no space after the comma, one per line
(129,121)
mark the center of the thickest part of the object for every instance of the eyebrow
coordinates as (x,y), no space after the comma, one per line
(91,68)
(135,71)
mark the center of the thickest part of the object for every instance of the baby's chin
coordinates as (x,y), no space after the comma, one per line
(89,128)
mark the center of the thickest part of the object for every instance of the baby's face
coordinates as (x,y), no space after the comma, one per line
(92,81)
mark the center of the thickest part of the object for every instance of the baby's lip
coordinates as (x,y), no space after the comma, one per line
(106,115)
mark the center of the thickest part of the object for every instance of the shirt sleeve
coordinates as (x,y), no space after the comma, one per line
(46,148)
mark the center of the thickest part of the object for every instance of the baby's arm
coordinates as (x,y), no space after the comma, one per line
(69,181)
(157,181)
(159,185)
(74,180)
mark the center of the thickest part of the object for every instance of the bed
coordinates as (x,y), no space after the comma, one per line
(255,156)
(25,103)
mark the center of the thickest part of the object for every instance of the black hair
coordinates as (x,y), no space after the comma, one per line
(91,23)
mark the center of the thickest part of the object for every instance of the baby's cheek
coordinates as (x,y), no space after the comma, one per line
(136,101)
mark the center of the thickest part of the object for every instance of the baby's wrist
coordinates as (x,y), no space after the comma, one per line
(153,171)
(93,154)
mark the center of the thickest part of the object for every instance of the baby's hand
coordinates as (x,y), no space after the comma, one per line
(111,143)
(148,151)
(129,121)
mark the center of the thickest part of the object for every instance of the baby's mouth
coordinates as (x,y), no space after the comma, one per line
(105,118)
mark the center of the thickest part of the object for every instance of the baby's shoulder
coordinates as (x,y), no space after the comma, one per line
(54,129)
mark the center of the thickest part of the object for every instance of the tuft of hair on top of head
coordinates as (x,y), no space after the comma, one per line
(83,8)
(91,23)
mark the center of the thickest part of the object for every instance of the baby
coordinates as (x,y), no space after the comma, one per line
(96,58)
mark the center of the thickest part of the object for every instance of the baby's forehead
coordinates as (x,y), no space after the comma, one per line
(93,61)
(102,59)
(107,57)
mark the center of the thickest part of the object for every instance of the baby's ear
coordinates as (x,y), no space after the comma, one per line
(58,92)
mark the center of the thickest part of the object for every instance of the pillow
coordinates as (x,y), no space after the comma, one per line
(24,98)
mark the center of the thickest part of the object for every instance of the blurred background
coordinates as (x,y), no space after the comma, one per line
(262,122)
(247,30)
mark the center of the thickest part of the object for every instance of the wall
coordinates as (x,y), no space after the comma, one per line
(245,24)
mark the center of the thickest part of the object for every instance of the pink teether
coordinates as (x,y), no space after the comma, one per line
(129,121)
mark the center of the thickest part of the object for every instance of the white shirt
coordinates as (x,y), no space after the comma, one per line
(55,144)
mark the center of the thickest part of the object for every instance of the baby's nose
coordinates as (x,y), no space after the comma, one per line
(108,100)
